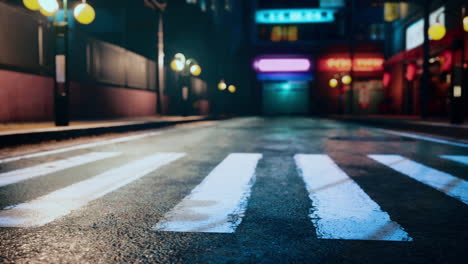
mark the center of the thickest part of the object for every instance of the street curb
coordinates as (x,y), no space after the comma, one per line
(40,136)
(452,131)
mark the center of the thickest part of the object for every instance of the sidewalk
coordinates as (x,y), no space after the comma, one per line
(33,132)
(439,127)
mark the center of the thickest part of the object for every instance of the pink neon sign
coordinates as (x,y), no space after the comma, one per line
(282,65)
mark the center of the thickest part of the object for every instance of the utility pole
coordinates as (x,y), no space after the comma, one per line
(425,82)
(159,6)
(62,84)
(351,56)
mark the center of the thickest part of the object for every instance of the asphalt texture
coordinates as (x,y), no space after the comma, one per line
(276,228)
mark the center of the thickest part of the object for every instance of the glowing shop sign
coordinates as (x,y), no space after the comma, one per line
(294,16)
(344,64)
(282,65)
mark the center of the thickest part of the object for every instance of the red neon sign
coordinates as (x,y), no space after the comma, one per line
(344,64)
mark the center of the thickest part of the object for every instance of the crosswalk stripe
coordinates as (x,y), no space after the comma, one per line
(425,138)
(460,159)
(83,146)
(444,182)
(59,203)
(15,176)
(341,209)
(218,203)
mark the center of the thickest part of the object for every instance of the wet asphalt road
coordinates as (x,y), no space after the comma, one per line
(117,227)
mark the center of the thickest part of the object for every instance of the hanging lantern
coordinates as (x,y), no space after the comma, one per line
(84,13)
(437,31)
(48,7)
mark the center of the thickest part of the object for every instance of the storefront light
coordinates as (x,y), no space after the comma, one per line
(346,79)
(333,83)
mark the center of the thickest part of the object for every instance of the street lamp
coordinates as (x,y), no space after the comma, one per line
(222,85)
(232,88)
(84,14)
(185,68)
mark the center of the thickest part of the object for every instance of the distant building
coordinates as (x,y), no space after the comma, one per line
(320,32)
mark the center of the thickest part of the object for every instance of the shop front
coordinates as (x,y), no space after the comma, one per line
(445,72)
(351,86)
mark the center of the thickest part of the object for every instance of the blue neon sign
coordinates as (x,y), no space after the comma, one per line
(294,16)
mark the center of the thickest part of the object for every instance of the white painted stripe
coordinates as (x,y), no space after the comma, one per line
(15,176)
(442,141)
(460,159)
(218,203)
(444,182)
(340,208)
(83,146)
(47,208)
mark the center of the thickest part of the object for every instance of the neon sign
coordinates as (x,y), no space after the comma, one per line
(294,16)
(282,65)
(344,64)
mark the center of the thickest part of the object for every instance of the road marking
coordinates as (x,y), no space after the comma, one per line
(83,146)
(47,208)
(15,176)
(442,141)
(341,209)
(460,159)
(444,182)
(218,203)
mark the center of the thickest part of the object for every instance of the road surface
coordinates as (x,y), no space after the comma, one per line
(246,190)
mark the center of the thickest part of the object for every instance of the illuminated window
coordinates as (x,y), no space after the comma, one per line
(276,34)
(284,33)
(292,33)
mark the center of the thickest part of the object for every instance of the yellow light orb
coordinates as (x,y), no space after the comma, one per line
(84,13)
(195,70)
(177,65)
(232,88)
(346,79)
(437,31)
(222,86)
(31,4)
(48,7)
(333,83)
(180,57)
(465,23)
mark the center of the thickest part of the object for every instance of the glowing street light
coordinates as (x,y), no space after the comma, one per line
(346,79)
(32,4)
(84,13)
(222,85)
(333,83)
(48,7)
(177,65)
(195,70)
(465,24)
(232,88)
